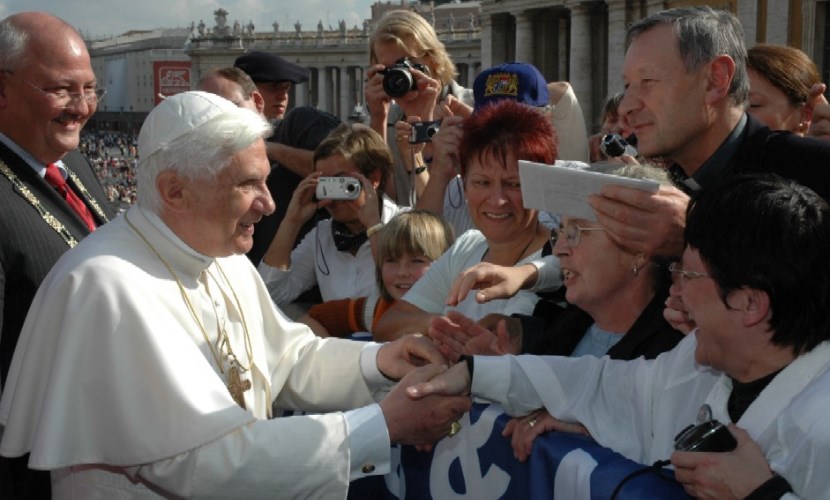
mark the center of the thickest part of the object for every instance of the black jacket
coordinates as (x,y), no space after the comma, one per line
(563,328)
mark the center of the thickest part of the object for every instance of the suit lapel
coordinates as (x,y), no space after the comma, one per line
(48,198)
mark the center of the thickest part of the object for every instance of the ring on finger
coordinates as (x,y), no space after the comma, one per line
(454,428)
(531,422)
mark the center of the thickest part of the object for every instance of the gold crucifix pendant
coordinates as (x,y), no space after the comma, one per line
(237,386)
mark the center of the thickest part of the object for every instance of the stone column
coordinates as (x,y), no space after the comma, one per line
(486,40)
(322,83)
(616,44)
(808,34)
(562,50)
(580,67)
(778,22)
(524,37)
(747,13)
(346,91)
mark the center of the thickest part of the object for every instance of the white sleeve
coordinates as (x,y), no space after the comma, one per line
(550,273)
(286,457)
(285,286)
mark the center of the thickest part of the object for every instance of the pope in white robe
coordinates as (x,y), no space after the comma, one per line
(122,381)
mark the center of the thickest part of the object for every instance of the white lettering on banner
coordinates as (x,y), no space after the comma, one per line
(463,446)
(573,476)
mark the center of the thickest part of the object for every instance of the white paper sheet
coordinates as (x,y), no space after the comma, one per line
(564,190)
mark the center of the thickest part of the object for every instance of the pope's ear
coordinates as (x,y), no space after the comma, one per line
(171,187)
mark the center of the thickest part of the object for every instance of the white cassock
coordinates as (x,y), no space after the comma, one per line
(111,368)
(637,407)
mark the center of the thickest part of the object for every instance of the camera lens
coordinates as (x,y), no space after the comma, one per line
(433,129)
(350,188)
(397,82)
(612,145)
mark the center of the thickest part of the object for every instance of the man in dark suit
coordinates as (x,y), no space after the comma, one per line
(48,92)
(686,89)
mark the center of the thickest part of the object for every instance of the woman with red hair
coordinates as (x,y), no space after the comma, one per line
(494,139)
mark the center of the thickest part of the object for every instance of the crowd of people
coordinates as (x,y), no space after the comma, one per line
(164,297)
(114,158)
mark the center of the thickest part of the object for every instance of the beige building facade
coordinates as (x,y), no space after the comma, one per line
(336,56)
(577,41)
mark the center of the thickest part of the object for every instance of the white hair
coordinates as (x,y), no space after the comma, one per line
(201,153)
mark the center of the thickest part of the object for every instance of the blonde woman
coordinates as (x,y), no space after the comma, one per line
(403,34)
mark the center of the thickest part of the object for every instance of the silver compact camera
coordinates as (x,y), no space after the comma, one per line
(337,188)
(423,131)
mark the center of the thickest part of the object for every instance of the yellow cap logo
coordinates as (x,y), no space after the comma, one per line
(502,84)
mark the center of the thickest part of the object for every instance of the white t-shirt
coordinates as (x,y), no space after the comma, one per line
(430,292)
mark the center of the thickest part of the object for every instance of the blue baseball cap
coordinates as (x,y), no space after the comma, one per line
(521,82)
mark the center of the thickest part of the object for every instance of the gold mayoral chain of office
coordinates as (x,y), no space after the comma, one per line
(50,219)
(235,383)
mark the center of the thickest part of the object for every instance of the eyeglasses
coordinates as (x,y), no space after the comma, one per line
(572,233)
(679,276)
(62,98)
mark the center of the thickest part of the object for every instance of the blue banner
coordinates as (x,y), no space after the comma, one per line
(478,463)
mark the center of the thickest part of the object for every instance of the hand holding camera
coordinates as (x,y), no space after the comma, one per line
(710,436)
(423,131)
(398,79)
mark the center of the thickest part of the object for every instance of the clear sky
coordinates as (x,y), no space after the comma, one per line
(99,18)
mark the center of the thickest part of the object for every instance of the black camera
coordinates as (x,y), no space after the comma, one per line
(398,79)
(613,145)
(708,436)
(423,131)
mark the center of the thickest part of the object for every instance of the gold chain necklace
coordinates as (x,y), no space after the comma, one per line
(235,384)
(87,195)
(47,217)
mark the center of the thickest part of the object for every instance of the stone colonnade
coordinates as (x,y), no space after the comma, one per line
(579,42)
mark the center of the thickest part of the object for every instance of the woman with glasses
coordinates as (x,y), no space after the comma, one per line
(493,141)
(615,301)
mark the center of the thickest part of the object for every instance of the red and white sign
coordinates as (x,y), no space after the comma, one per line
(170,77)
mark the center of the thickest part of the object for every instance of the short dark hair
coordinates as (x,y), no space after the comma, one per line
(769,234)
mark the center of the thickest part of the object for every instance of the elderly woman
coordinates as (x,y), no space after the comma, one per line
(780,79)
(493,141)
(614,299)
(615,307)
